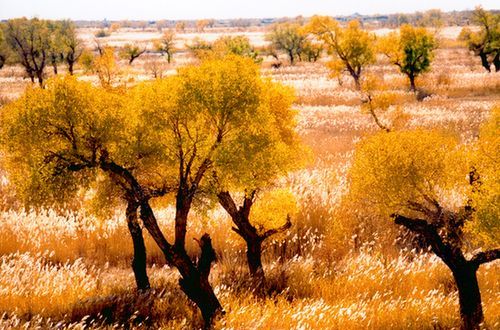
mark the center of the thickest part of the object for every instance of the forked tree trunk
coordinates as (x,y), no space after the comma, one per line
(194,278)
(463,270)
(240,217)
(139,259)
(471,311)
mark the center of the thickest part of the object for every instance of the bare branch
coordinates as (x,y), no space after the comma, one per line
(274,231)
(484,257)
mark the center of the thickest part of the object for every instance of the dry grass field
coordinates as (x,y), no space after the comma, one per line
(72,270)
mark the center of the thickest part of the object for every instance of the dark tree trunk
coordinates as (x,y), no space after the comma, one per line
(139,260)
(413,87)
(290,55)
(194,279)
(356,82)
(484,61)
(254,259)
(182,207)
(464,271)
(471,311)
(71,63)
(240,217)
(40,78)
(496,61)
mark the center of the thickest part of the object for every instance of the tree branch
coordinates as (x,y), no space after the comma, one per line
(283,228)
(484,257)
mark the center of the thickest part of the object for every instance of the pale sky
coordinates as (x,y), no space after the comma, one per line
(195,9)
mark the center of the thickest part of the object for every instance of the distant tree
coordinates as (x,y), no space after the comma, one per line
(55,48)
(251,170)
(224,46)
(161,24)
(131,52)
(103,64)
(3,49)
(156,67)
(200,48)
(377,99)
(102,33)
(352,47)
(180,27)
(486,42)
(71,46)
(432,18)
(411,176)
(411,50)
(166,45)
(202,24)
(288,37)
(312,51)
(29,40)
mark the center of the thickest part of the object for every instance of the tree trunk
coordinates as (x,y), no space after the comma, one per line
(471,312)
(254,259)
(182,207)
(413,87)
(496,62)
(54,67)
(193,282)
(356,82)
(484,61)
(40,79)
(139,260)
(290,54)
(70,67)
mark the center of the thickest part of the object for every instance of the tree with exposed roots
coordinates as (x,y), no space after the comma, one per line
(268,148)
(414,177)
(352,47)
(411,50)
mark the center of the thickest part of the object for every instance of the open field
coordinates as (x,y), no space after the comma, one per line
(71,270)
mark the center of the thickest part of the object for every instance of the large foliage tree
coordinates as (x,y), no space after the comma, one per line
(352,47)
(29,40)
(415,178)
(267,149)
(411,50)
(485,43)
